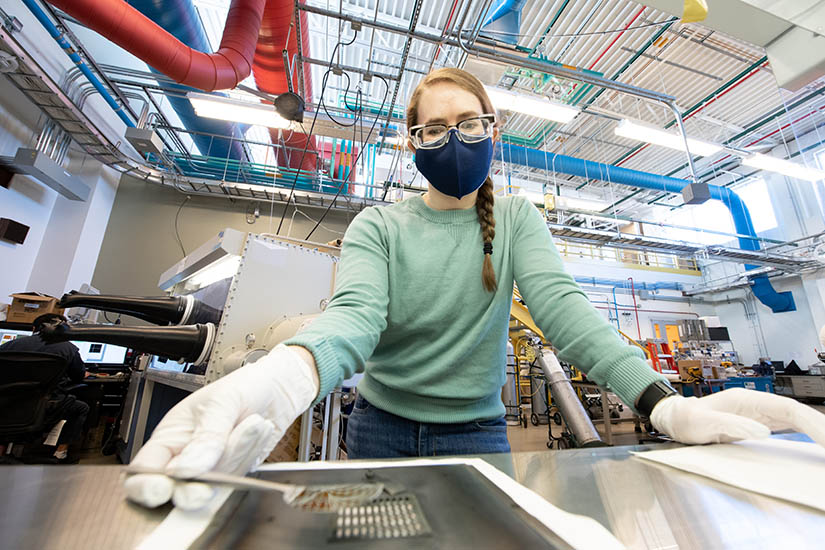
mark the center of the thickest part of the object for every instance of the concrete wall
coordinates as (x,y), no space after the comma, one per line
(140,241)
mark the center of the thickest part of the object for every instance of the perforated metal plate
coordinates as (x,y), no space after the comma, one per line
(393,517)
(463,510)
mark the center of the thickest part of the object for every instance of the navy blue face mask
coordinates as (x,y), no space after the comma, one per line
(456,168)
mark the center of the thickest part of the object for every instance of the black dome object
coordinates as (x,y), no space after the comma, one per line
(290,106)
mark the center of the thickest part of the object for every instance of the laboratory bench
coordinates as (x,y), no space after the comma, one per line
(646,506)
(808,385)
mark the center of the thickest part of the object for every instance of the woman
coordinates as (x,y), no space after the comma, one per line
(421,306)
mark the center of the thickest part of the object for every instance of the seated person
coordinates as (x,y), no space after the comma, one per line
(62,406)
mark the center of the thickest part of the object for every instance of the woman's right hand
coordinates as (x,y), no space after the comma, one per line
(230,425)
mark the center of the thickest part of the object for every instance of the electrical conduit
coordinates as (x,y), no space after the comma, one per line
(760,285)
(58,36)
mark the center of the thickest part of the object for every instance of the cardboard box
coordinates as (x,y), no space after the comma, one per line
(719,372)
(27,306)
(683,365)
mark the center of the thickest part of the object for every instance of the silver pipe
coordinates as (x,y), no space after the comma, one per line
(144,114)
(568,402)
(64,148)
(366,72)
(482,14)
(372,38)
(681,124)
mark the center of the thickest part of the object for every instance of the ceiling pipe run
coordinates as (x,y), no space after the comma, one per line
(278,34)
(180,19)
(137,34)
(760,285)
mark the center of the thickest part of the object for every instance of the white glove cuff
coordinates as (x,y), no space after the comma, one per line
(663,413)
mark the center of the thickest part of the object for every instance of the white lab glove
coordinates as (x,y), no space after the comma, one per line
(734,414)
(230,425)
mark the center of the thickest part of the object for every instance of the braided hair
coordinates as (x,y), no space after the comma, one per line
(485,199)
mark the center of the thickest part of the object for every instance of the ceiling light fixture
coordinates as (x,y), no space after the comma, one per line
(784,167)
(234,110)
(536,106)
(644,132)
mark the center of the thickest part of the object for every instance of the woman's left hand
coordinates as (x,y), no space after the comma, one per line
(734,414)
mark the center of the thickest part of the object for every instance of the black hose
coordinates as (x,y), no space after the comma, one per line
(158,310)
(185,343)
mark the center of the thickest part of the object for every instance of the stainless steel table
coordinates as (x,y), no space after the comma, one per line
(644,505)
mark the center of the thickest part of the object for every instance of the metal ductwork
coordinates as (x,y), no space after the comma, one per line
(44,169)
(275,38)
(568,402)
(134,32)
(159,310)
(180,19)
(504,21)
(760,285)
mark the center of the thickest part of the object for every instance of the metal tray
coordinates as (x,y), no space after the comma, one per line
(461,509)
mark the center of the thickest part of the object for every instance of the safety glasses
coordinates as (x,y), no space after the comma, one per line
(471,130)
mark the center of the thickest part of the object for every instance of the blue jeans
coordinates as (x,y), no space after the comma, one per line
(375,433)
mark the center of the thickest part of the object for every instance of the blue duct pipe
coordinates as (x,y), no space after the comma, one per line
(504,21)
(616,308)
(180,19)
(760,285)
(58,36)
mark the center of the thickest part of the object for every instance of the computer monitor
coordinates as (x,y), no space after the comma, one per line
(90,352)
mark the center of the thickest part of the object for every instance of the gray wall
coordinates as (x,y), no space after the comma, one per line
(140,241)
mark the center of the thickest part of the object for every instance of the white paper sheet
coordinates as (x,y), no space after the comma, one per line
(54,434)
(180,529)
(790,470)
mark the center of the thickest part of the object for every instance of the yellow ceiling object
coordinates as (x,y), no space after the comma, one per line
(695,10)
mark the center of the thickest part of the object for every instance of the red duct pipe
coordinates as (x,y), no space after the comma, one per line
(140,36)
(270,75)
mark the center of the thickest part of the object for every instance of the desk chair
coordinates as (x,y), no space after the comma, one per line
(27,379)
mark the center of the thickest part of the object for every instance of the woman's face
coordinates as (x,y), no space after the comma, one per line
(447,103)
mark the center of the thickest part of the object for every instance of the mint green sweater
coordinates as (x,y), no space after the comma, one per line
(409,310)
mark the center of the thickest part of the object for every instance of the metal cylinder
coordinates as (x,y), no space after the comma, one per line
(539,401)
(568,403)
(509,394)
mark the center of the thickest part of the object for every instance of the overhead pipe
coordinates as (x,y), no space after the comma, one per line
(272,75)
(504,21)
(55,33)
(180,19)
(134,32)
(760,284)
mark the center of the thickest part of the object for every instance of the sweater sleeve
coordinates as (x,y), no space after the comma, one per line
(344,336)
(563,312)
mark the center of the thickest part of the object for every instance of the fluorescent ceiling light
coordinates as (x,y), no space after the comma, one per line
(576,203)
(234,110)
(650,134)
(536,106)
(784,167)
